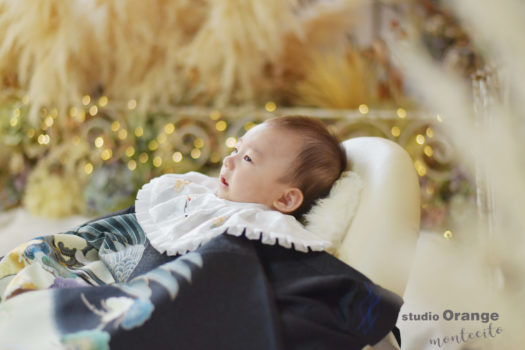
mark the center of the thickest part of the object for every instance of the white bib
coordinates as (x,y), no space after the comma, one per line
(180,212)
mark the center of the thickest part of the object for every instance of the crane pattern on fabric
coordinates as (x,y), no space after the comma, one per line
(102,253)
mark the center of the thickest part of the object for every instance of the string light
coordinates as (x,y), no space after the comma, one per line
(79,112)
(248,126)
(270,106)
(88,168)
(396,131)
(199,143)
(99,142)
(420,168)
(153,145)
(215,115)
(43,139)
(115,126)
(136,154)
(363,109)
(195,153)
(103,101)
(106,154)
(157,161)
(13,121)
(169,128)
(143,157)
(401,113)
(231,142)
(177,157)
(130,151)
(49,121)
(132,165)
(428,151)
(93,110)
(122,134)
(86,99)
(221,125)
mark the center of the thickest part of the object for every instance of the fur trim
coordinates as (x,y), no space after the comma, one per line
(331,217)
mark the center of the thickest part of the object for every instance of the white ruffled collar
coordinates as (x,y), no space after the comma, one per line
(179,213)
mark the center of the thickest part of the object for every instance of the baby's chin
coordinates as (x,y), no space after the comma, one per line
(222,194)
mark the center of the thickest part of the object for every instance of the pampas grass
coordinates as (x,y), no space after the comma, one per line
(325,28)
(490,148)
(336,81)
(140,42)
(44,46)
(238,38)
(159,52)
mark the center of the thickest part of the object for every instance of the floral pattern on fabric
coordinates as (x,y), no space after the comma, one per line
(39,262)
(99,254)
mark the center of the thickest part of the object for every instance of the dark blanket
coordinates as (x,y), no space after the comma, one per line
(231,293)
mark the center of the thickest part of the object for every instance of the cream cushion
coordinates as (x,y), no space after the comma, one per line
(381,239)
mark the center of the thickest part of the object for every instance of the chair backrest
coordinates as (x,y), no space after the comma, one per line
(382,238)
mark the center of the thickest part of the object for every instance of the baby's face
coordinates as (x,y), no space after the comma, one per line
(261,158)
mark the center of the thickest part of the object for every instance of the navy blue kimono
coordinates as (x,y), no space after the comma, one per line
(248,295)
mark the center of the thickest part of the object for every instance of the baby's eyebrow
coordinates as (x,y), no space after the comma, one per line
(259,153)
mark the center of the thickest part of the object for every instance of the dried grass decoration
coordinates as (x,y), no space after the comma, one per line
(161,52)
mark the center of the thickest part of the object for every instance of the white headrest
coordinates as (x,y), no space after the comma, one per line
(382,237)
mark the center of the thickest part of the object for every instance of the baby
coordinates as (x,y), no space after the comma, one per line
(285,163)
(276,172)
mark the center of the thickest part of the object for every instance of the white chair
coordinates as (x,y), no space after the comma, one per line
(382,238)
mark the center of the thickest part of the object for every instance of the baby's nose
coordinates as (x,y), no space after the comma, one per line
(228,161)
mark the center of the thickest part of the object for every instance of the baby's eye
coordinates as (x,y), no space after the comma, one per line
(235,150)
(247,158)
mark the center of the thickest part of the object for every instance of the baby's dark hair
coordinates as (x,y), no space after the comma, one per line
(320,162)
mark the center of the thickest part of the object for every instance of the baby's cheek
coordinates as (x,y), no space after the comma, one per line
(250,195)
(243,193)
(261,195)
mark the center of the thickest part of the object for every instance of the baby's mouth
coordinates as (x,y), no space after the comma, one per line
(223,181)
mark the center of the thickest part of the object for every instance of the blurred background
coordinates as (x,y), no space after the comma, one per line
(97,97)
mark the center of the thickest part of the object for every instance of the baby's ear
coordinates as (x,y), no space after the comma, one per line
(289,201)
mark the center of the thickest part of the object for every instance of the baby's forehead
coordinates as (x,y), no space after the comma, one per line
(276,130)
(272,139)
(272,133)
